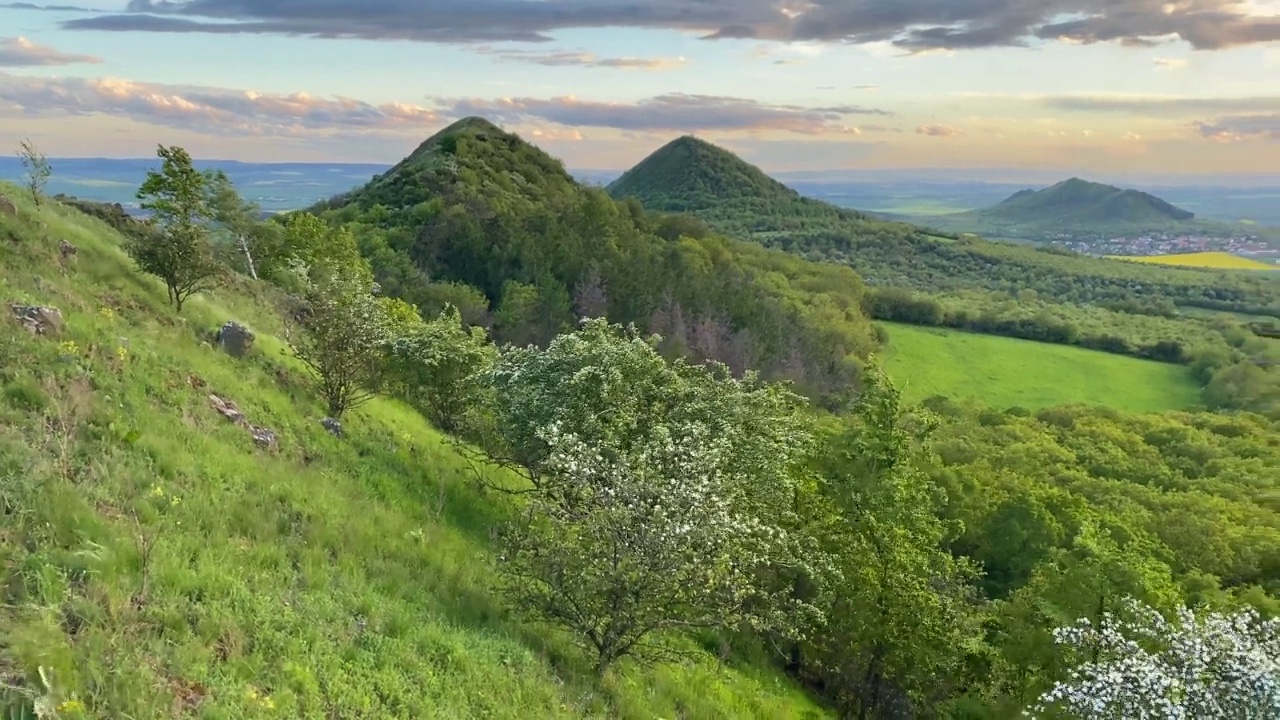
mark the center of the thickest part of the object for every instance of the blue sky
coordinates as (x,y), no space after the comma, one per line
(1190,86)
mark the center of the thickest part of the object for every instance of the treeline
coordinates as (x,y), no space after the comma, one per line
(900,561)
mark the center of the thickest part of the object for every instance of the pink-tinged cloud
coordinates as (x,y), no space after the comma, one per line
(586,60)
(673,112)
(911,24)
(21,52)
(942,131)
(218,111)
(1242,127)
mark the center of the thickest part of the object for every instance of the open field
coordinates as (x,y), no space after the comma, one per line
(1216,260)
(1004,372)
(156,563)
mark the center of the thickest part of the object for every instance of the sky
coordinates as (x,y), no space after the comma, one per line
(1187,87)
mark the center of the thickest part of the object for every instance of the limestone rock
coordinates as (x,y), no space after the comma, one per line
(38,320)
(333,426)
(264,438)
(235,339)
(227,409)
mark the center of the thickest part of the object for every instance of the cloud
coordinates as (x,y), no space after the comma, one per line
(218,111)
(937,131)
(57,8)
(911,24)
(1170,63)
(21,52)
(1159,107)
(1242,127)
(583,59)
(673,112)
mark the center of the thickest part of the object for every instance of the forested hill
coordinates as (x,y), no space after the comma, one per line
(479,218)
(1083,201)
(737,198)
(695,176)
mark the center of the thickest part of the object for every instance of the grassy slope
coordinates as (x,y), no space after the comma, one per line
(159,565)
(1216,260)
(1004,372)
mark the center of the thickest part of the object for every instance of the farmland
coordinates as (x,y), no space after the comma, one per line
(1215,260)
(1005,372)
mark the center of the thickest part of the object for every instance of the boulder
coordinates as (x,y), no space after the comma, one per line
(263,438)
(66,249)
(7,207)
(38,320)
(333,426)
(227,409)
(235,339)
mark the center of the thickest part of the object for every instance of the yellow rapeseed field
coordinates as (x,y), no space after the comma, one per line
(1221,260)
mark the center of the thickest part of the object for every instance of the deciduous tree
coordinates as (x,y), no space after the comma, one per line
(179,251)
(37,169)
(660,493)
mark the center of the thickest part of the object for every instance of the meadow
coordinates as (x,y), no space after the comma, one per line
(1215,260)
(157,563)
(1005,372)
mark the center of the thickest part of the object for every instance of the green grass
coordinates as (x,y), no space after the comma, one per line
(156,564)
(1003,372)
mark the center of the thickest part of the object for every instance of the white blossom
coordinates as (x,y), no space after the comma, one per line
(1145,667)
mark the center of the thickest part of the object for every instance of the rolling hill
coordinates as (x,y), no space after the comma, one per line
(689,175)
(1082,210)
(477,207)
(1077,200)
(740,200)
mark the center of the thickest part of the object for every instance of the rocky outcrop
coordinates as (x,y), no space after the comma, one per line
(262,437)
(333,426)
(38,320)
(235,339)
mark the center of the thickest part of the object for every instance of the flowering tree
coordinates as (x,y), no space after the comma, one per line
(1144,666)
(660,493)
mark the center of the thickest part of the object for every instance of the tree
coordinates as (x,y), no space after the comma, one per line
(1137,664)
(897,622)
(343,338)
(659,492)
(179,251)
(234,214)
(37,169)
(442,367)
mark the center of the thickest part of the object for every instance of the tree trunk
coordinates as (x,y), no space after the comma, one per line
(244,247)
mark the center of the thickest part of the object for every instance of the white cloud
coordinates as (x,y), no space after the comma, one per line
(21,52)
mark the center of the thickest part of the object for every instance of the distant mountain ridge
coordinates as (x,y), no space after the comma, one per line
(1085,201)
(1079,209)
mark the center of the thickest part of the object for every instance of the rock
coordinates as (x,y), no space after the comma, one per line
(38,320)
(7,207)
(333,426)
(227,408)
(235,339)
(264,438)
(66,249)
